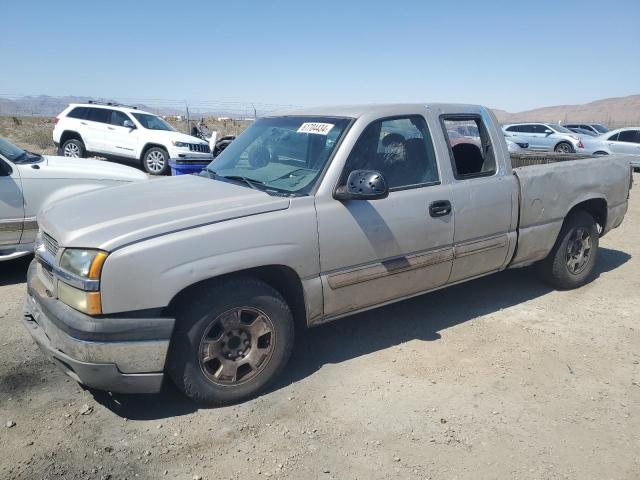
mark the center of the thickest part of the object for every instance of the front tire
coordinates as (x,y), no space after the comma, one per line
(572,259)
(231,339)
(564,147)
(156,161)
(73,148)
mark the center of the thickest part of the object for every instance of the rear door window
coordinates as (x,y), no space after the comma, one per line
(613,138)
(629,136)
(101,115)
(471,156)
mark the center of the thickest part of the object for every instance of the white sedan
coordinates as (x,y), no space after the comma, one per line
(620,141)
(29,181)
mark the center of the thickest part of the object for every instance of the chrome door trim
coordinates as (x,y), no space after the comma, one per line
(480,245)
(391,266)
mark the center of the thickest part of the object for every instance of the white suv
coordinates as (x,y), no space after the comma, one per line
(117,131)
(545,136)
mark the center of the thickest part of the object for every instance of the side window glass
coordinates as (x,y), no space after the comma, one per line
(101,115)
(528,128)
(613,138)
(399,148)
(628,136)
(118,118)
(470,156)
(78,112)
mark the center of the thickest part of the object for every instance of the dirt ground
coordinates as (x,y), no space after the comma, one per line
(497,378)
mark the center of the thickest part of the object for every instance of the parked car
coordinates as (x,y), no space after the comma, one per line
(582,131)
(544,137)
(118,131)
(595,128)
(515,147)
(305,218)
(620,141)
(29,181)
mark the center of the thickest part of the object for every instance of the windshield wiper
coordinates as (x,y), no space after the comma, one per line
(249,181)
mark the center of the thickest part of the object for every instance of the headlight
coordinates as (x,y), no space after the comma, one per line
(180,144)
(83,263)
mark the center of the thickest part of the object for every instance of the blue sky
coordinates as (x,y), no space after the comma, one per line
(505,54)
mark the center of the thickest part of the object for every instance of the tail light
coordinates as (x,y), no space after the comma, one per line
(56,120)
(580,144)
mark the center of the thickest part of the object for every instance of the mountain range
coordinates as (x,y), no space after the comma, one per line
(616,111)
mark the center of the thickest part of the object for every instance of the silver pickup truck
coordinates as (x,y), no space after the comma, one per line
(305,218)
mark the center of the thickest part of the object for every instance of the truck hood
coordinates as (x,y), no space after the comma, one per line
(87,169)
(112,217)
(169,136)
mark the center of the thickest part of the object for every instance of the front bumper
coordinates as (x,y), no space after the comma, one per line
(118,354)
(176,153)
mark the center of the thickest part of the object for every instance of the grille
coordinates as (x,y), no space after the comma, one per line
(196,147)
(50,244)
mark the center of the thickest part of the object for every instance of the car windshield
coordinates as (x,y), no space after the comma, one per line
(284,154)
(152,122)
(16,155)
(600,128)
(559,128)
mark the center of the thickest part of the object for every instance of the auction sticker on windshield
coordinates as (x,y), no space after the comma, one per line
(315,127)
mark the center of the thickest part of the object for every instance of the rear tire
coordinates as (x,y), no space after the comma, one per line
(564,147)
(232,338)
(572,259)
(73,148)
(155,161)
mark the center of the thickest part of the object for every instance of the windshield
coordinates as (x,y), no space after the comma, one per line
(281,153)
(559,128)
(600,128)
(152,122)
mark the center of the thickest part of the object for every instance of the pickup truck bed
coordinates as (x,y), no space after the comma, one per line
(551,184)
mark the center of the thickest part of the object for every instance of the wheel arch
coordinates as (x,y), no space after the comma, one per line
(567,142)
(149,145)
(596,207)
(70,135)
(282,278)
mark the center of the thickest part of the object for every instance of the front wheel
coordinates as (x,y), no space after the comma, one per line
(156,161)
(231,339)
(564,147)
(573,257)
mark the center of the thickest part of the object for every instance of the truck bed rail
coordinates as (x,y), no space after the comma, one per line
(541,158)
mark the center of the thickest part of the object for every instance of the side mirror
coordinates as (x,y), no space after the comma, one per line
(128,124)
(363,185)
(548,132)
(5,169)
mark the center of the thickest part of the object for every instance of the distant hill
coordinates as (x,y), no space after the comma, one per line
(613,112)
(47,106)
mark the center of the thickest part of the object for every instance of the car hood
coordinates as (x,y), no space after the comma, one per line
(168,135)
(87,169)
(117,216)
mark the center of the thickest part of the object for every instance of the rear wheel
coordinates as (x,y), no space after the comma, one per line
(156,161)
(564,147)
(232,338)
(571,261)
(73,148)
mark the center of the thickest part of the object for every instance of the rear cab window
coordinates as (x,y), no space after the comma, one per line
(471,156)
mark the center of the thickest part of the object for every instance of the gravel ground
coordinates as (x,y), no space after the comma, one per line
(497,378)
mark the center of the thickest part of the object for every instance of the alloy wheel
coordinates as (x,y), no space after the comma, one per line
(71,150)
(236,346)
(155,161)
(578,250)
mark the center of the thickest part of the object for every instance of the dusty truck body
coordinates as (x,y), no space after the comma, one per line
(305,218)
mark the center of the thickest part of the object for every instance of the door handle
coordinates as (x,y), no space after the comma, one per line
(83,123)
(111,128)
(440,208)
